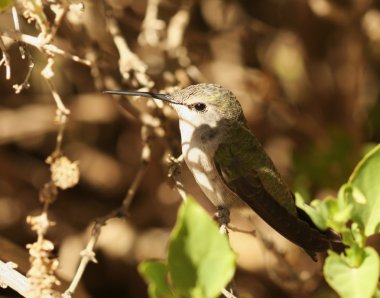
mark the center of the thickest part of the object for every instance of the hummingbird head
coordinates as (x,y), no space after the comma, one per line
(201,104)
(206,104)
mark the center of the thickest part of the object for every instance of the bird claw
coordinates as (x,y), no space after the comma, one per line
(174,165)
(222,215)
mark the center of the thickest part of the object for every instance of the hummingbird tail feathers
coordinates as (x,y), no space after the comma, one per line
(297,230)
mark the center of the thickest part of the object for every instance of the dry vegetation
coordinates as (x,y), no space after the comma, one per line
(306,73)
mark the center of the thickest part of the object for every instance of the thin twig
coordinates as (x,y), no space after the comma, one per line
(10,277)
(41,275)
(40,44)
(223,217)
(60,10)
(129,62)
(48,73)
(88,254)
(144,118)
(50,48)
(145,159)
(152,27)
(15,19)
(107,82)
(177,26)
(5,59)
(294,280)
(175,173)
(61,120)
(228,294)
(174,40)
(25,54)
(236,229)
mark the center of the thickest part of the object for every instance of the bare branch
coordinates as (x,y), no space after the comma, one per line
(152,27)
(5,59)
(40,44)
(129,63)
(177,26)
(50,48)
(88,254)
(15,19)
(228,294)
(10,277)
(41,275)
(147,134)
(175,173)
(25,54)
(293,280)
(60,10)
(48,73)
(34,11)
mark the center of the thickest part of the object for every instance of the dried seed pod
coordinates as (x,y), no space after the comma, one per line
(64,172)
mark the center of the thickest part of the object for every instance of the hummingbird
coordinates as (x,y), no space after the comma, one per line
(231,166)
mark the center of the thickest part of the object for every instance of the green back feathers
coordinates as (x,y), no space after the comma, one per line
(241,155)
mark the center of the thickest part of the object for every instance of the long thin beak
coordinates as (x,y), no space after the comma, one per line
(163,97)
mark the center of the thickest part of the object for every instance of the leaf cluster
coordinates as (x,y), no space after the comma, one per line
(200,260)
(355,214)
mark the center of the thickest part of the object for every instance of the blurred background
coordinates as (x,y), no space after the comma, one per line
(306,72)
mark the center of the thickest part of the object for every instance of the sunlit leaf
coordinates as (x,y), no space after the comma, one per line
(366,188)
(353,282)
(313,211)
(200,261)
(327,213)
(358,196)
(156,274)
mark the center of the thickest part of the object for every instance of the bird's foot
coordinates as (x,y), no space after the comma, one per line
(174,172)
(174,165)
(222,215)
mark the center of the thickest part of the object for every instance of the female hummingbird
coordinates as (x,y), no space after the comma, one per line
(231,166)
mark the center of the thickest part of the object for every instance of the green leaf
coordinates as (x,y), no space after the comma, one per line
(314,212)
(377,293)
(358,196)
(357,235)
(155,274)
(366,188)
(329,213)
(4,4)
(200,260)
(353,282)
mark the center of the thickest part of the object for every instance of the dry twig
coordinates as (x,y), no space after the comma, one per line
(293,280)
(40,44)
(129,62)
(152,27)
(177,26)
(175,173)
(25,54)
(88,254)
(228,294)
(9,276)
(5,59)
(48,74)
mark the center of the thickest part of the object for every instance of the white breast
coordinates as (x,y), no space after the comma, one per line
(198,155)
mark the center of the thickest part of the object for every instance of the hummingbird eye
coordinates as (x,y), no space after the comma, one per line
(199,106)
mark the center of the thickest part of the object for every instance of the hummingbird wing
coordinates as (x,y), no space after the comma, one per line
(248,172)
